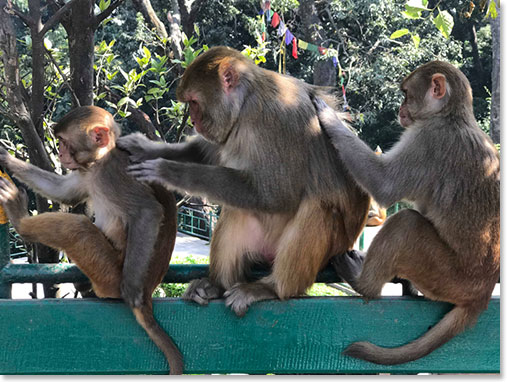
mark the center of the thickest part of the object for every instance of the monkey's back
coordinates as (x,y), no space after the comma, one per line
(291,158)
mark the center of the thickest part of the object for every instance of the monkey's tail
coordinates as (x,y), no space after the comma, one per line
(144,316)
(452,324)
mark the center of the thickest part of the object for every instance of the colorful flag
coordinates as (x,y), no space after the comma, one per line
(275,20)
(281,28)
(288,37)
(295,48)
(303,44)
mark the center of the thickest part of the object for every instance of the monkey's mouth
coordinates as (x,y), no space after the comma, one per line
(195,115)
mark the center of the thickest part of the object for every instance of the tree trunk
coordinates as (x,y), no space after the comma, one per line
(80,26)
(174,18)
(324,72)
(188,11)
(21,116)
(38,67)
(495,79)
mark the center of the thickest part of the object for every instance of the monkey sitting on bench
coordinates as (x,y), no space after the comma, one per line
(126,253)
(449,245)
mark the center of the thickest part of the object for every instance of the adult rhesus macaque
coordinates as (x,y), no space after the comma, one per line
(448,246)
(262,156)
(127,251)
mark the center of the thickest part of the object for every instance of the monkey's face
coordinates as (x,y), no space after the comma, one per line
(75,149)
(404,116)
(66,152)
(211,113)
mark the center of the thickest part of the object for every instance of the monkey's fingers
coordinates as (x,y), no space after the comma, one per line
(144,172)
(8,190)
(319,104)
(238,300)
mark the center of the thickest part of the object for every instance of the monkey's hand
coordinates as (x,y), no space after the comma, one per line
(139,147)
(161,171)
(329,118)
(14,201)
(348,266)
(5,158)
(11,162)
(201,291)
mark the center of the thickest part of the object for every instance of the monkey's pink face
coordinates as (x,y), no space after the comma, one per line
(404,115)
(66,153)
(196,115)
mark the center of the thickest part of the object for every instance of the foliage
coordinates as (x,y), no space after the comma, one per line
(177,289)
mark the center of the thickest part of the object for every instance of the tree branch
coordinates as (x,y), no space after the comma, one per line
(64,77)
(106,13)
(55,19)
(14,10)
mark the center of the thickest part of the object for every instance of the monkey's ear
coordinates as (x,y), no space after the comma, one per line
(438,86)
(229,75)
(100,136)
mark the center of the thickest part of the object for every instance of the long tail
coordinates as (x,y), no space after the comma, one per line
(144,316)
(452,324)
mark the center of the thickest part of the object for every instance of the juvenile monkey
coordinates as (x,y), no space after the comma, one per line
(261,154)
(450,169)
(127,251)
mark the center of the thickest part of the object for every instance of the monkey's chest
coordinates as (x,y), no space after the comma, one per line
(110,223)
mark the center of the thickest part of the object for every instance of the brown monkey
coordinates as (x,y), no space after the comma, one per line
(127,251)
(450,169)
(262,156)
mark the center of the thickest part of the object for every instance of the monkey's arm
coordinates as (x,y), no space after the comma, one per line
(373,172)
(67,189)
(141,148)
(220,184)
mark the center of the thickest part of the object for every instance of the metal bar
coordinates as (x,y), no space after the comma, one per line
(178,273)
(5,285)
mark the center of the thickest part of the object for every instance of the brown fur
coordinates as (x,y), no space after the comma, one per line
(450,169)
(126,253)
(286,199)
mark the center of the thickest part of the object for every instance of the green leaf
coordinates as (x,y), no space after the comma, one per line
(416,40)
(196,30)
(492,10)
(399,33)
(411,13)
(123,101)
(104,4)
(417,4)
(444,23)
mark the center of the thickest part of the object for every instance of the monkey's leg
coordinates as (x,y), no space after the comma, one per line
(409,246)
(302,250)
(236,234)
(83,242)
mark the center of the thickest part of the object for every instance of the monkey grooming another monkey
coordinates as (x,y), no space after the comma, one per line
(450,169)
(126,253)
(286,200)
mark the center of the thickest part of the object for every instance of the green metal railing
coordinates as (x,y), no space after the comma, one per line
(196,222)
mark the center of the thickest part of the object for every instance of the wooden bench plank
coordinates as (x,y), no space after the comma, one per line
(304,335)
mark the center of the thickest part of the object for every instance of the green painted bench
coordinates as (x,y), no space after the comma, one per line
(298,336)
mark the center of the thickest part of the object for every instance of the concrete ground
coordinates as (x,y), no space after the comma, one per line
(189,245)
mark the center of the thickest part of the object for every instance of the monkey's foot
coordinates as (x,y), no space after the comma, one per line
(348,266)
(201,291)
(15,201)
(241,296)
